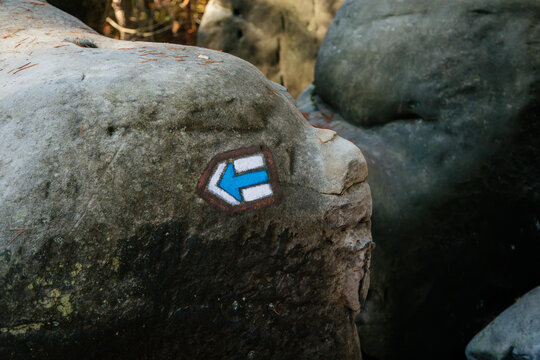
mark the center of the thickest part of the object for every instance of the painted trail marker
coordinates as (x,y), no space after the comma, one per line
(240,180)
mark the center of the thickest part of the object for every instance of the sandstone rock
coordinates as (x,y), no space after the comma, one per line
(280,37)
(513,335)
(443,99)
(102,145)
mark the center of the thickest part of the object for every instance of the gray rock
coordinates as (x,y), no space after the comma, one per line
(102,145)
(513,335)
(443,99)
(280,37)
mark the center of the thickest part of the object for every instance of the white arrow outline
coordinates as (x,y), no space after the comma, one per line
(216,190)
(248,163)
(257,192)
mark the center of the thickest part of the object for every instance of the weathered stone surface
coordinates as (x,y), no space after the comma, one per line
(443,99)
(513,335)
(280,37)
(102,143)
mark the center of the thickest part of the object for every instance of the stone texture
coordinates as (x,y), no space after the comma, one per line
(280,37)
(513,335)
(102,143)
(443,99)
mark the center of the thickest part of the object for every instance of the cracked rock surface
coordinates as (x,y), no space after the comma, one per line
(102,143)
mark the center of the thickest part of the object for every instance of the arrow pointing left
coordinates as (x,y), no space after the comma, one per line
(232,183)
(240,180)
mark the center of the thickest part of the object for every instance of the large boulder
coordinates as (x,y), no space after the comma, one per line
(443,98)
(280,37)
(116,244)
(513,335)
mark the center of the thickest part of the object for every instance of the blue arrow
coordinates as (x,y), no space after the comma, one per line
(232,183)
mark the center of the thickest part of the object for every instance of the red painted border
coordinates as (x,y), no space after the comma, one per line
(234,154)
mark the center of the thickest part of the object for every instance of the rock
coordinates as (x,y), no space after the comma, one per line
(280,37)
(513,335)
(108,250)
(443,100)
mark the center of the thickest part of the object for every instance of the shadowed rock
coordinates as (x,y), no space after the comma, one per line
(107,250)
(280,37)
(443,99)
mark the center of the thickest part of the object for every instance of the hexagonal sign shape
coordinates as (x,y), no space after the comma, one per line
(240,180)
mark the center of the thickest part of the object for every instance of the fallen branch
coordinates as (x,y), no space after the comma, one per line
(136,31)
